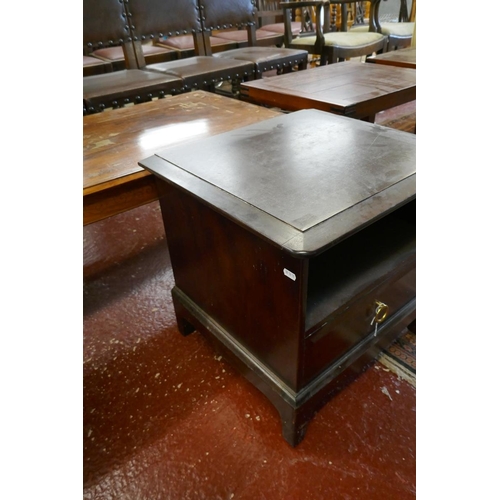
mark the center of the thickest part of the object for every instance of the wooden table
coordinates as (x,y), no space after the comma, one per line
(114,141)
(402,58)
(293,250)
(353,89)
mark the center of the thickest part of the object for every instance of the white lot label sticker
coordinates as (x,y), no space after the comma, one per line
(289,274)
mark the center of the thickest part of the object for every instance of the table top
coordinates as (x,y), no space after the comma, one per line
(114,141)
(349,88)
(403,58)
(301,179)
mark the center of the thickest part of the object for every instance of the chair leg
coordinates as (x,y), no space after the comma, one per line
(303,65)
(333,56)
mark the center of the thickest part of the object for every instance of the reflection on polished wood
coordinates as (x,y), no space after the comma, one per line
(349,88)
(114,141)
(402,58)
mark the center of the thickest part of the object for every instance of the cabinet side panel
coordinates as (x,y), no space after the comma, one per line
(252,289)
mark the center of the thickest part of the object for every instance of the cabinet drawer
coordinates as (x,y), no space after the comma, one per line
(351,325)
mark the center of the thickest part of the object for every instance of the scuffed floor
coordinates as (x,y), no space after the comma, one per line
(166,418)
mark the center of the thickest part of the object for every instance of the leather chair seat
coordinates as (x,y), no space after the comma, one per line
(156,54)
(280,28)
(110,54)
(94,66)
(266,58)
(241,36)
(93,61)
(204,71)
(124,86)
(181,42)
(152,54)
(184,43)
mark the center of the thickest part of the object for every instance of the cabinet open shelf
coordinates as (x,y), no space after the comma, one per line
(358,264)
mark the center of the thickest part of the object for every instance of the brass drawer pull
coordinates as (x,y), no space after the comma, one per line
(381,312)
(380,315)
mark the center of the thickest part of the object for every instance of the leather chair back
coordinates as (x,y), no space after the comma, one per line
(163,18)
(105,24)
(222,14)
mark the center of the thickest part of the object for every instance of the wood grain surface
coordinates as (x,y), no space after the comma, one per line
(114,141)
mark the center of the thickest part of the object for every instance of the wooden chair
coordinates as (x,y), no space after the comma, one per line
(270,18)
(267,32)
(104,30)
(222,36)
(333,46)
(170,19)
(130,85)
(105,27)
(399,34)
(182,40)
(241,15)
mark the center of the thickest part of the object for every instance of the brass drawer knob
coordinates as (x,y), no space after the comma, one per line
(381,311)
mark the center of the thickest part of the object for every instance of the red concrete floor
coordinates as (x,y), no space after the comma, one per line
(166,418)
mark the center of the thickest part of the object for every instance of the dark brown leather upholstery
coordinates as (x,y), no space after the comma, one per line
(172,20)
(280,28)
(186,47)
(171,24)
(205,72)
(266,58)
(263,37)
(233,19)
(105,26)
(121,87)
(220,14)
(139,26)
(270,16)
(94,66)
(152,54)
(107,33)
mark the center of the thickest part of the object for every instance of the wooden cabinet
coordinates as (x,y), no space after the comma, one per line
(292,244)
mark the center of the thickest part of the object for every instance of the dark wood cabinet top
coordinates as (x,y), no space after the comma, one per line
(303,180)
